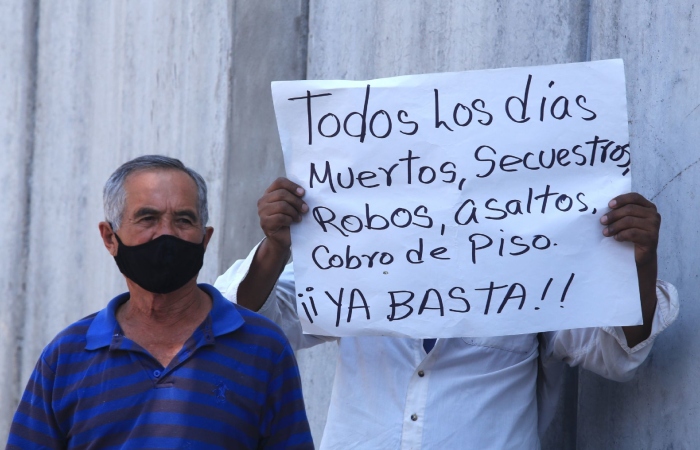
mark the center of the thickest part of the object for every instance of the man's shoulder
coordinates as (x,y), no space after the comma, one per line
(70,340)
(260,325)
(256,342)
(231,318)
(74,331)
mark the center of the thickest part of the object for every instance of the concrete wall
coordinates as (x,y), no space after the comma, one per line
(660,408)
(17,77)
(86,85)
(114,80)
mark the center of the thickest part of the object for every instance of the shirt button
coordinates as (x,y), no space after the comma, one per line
(421,373)
(156,373)
(414,417)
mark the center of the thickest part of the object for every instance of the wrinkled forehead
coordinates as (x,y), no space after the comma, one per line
(160,188)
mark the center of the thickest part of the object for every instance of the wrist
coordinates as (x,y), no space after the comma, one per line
(647,263)
(647,272)
(272,251)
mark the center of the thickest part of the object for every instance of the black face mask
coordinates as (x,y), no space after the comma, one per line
(162,265)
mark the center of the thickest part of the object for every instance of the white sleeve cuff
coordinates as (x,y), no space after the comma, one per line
(667,307)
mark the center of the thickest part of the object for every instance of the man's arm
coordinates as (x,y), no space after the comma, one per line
(279,207)
(634,219)
(261,282)
(34,424)
(613,352)
(284,423)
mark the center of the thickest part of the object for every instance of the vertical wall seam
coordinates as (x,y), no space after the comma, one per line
(576,379)
(304,39)
(589,27)
(228,140)
(32,55)
(574,409)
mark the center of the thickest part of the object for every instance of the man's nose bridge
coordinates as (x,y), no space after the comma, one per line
(166,225)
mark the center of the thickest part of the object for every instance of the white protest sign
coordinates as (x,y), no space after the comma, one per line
(460,204)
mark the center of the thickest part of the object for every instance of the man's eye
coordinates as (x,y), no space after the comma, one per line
(184,221)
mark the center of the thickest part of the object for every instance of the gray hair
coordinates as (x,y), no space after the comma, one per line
(114,195)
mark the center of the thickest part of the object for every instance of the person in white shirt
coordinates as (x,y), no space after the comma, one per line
(457,393)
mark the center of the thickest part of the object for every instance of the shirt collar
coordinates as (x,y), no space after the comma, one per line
(224,314)
(224,317)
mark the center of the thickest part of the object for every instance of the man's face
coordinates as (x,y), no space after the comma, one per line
(160,202)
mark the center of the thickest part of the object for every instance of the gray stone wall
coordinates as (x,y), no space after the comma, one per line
(17,86)
(660,408)
(88,84)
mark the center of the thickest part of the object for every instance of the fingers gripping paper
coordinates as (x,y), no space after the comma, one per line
(460,204)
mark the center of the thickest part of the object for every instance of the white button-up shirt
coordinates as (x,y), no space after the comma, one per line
(467,393)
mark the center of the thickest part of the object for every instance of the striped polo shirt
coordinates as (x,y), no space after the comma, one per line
(234,384)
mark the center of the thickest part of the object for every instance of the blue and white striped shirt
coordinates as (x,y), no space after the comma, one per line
(234,384)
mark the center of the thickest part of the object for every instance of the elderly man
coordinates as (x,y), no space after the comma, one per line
(169,364)
(459,393)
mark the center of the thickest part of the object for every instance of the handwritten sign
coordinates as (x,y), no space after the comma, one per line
(460,204)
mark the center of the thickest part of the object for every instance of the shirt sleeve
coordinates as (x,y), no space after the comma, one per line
(284,424)
(280,306)
(34,424)
(604,350)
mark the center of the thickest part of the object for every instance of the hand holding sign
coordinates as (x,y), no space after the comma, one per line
(634,219)
(279,207)
(460,204)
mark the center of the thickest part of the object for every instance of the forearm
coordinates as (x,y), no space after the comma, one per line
(605,350)
(646,274)
(265,269)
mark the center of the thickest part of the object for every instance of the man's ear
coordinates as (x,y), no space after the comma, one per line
(208,231)
(109,238)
